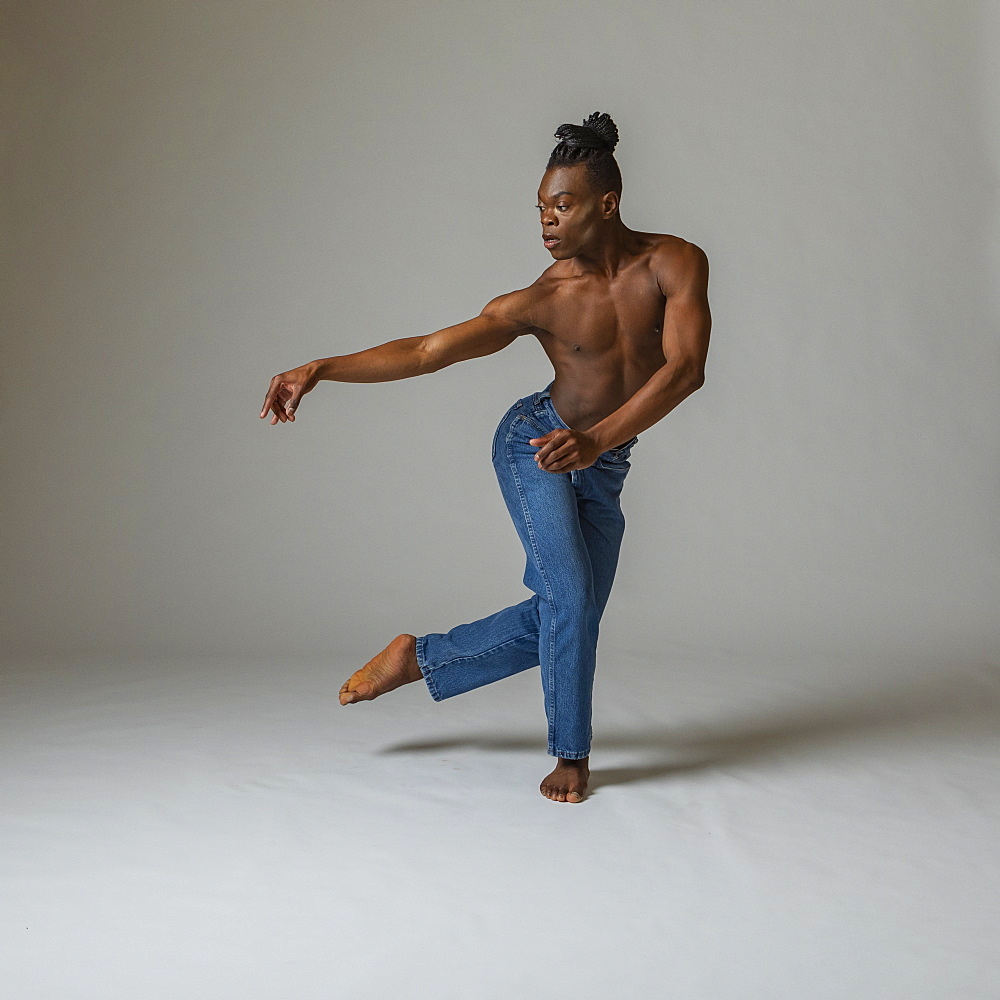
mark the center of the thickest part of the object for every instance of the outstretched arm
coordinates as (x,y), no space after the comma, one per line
(499,324)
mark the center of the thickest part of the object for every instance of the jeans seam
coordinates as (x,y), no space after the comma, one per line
(510,431)
(500,426)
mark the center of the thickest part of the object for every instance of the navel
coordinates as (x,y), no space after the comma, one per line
(576,347)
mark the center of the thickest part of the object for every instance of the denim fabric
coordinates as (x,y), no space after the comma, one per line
(571,526)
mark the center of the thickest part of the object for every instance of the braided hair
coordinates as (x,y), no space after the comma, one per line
(593,144)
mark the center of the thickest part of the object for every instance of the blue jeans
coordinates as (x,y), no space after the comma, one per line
(571,526)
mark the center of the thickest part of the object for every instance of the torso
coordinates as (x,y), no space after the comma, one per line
(603,335)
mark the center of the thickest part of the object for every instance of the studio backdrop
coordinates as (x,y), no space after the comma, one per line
(199,196)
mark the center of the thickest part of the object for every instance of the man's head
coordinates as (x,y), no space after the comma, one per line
(581,188)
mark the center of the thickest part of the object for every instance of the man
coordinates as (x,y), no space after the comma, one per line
(624,318)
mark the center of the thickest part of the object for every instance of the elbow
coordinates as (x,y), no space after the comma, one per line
(684,372)
(427,360)
(690,374)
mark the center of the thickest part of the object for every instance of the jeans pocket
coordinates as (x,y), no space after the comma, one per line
(532,421)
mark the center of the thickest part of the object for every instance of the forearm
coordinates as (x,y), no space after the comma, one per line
(397,359)
(668,386)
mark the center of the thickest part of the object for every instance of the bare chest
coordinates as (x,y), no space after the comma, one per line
(592,317)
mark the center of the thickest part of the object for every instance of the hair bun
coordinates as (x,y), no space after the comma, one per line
(597,132)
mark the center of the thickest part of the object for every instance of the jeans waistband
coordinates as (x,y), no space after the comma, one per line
(543,400)
(546,393)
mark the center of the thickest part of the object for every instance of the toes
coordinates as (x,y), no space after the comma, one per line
(557,794)
(355,689)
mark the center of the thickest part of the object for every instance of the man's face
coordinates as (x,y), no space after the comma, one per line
(569,211)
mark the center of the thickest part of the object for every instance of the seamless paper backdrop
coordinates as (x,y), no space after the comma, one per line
(200,196)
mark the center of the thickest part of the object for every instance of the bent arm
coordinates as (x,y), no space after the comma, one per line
(498,325)
(687,325)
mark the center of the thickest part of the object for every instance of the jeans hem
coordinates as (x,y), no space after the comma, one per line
(425,670)
(570,754)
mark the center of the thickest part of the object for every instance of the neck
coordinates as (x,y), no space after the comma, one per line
(610,252)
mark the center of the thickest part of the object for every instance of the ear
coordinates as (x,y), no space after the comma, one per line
(609,204)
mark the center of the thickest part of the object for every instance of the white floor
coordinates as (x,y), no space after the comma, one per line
(757,829)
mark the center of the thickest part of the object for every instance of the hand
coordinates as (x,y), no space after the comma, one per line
(286,390)
(564,450)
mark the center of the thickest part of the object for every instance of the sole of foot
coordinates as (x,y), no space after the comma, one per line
(385,671)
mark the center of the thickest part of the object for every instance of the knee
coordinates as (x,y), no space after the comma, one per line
(577,603)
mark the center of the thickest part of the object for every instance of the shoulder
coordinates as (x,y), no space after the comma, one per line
(678,264)
(519,308)
(512,310)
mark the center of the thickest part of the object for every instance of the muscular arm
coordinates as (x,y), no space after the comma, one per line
(500,322)
(687,323)
(498,325)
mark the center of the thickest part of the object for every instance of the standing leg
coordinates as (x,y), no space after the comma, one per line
(602,526)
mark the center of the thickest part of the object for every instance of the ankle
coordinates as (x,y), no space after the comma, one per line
(412,664)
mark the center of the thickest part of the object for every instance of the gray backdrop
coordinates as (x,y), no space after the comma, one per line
(201,195)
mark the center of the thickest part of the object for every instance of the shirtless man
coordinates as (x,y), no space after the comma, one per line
(623,316)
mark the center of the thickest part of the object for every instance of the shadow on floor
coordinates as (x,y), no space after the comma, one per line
(966,697)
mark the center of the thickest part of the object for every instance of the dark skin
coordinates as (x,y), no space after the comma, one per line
(623,317)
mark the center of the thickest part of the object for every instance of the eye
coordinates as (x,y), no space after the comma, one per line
(563,207)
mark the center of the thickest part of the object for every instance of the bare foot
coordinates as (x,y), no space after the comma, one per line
(568,782)
(394,666)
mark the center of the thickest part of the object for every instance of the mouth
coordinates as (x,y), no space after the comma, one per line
(549,241)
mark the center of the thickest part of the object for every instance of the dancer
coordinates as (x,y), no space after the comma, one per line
(623,317)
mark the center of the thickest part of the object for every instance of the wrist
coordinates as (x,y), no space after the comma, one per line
(600,438)
(321,369)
